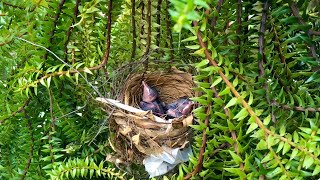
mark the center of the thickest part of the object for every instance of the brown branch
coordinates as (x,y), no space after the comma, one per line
(214,19)
(52,125)
(262,30)
(142,19)
(203,147)
(107,52)
(277,44)
(295,12)
(238,42)
(296,108)
(15,112)
(14,6)
(68,34)
(31,148)
(149,27)
(312,32)
(233,133)
(54,24)
(134,33)
(158,22)
(169,43)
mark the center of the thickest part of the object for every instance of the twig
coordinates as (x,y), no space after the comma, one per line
(14,6)
(221,147)
(261,38)
(54,24)
(233,133)
(296,108)
(239,14)
(134,33)
(169,43)
(203,147)
(107,52)
(295,12)
(52,125)
(68,34)
(276,39)
(15,112)
(159,23)
(214,19)
(31,149)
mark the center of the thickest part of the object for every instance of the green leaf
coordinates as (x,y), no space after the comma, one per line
(274,173)
(232,102)
(201,3)
(225,91)
(202,63)
(237,159)
(262,145)
(316,170)
(266,120)
(286,148)
(252,127)
(236,171)
(242,114)
(191,38)
(282,130)
(294,153)
(308,161)
(87,70)
(267,158)
(193,47)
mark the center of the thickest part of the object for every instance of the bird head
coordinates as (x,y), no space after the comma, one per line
(149,94)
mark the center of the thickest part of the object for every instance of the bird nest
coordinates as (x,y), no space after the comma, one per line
(136,133)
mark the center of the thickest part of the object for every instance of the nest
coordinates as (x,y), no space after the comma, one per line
(137,134)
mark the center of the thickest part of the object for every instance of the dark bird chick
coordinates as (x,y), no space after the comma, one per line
(154,106)
(173,113)
(149,94)
(184,105)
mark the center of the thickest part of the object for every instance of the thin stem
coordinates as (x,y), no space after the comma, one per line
(54,25)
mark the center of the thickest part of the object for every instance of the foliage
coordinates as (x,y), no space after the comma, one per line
(258,76)
(257,72)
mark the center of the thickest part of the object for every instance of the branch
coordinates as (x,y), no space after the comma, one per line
(295,12)
(158,22)
(245,104)
(233,133)
(239,14)
(169,43)
(296,108)
(134,33)
(203,147)
(55,21)
(52,125)
(214,20)
(15,112)
(14,6)
(107,52)
(31,149)
(75,14)
(261,38)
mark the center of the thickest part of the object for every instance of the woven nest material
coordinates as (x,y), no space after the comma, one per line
(137,134)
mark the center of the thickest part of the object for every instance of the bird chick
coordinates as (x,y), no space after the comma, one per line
(184,105)
(154,106)
(149,94)
(173,113)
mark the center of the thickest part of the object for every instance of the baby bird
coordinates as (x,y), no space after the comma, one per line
(181,107)
(149,94)
(150,100)
(155,107)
